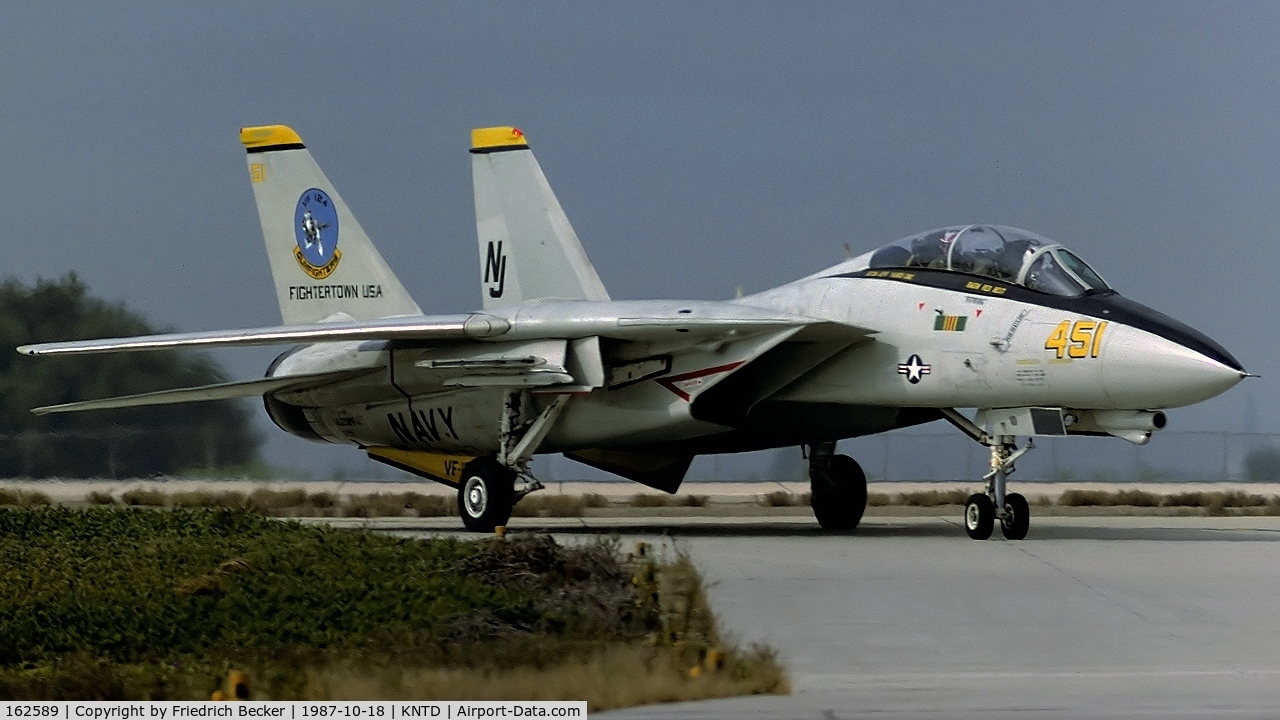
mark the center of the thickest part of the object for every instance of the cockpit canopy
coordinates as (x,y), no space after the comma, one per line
(995,251)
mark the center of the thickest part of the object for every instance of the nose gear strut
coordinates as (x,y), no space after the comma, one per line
(981,510)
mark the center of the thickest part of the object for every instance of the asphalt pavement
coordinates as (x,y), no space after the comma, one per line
(1088,618)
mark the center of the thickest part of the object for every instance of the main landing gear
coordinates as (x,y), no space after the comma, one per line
(838,488)
(983,509)
(486,495)
(491,486)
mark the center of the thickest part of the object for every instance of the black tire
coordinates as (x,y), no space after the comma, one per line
(1017,517)
(486,495)
(979,516)
(838,493)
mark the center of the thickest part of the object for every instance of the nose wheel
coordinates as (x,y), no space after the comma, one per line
(979,516)
(1011,509)
(1016,520)
(982,510)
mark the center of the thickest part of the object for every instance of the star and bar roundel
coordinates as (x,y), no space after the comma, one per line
(914,368)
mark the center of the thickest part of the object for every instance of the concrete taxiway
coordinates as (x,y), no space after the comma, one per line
(1156,617)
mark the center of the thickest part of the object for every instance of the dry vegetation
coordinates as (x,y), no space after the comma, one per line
(537,505)
(1212,502)
(22,498)
(933,498)
(648,500)
(289,503)
(877,499)
(652,675)
(781,498)
(300,503)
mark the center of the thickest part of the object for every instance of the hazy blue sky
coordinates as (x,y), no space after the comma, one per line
(695,146)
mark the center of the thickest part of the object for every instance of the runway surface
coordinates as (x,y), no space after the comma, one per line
(906,618)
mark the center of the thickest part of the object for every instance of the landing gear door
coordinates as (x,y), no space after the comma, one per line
(1023,421)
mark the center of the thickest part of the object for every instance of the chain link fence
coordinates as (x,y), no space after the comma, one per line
(105,449)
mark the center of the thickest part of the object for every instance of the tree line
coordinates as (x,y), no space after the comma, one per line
(134,442)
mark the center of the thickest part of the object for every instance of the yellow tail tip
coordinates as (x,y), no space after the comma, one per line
(267,135)
(498,137)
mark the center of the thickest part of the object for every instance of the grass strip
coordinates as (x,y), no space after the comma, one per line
(123,604)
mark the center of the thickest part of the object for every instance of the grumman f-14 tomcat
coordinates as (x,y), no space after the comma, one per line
(1004,323)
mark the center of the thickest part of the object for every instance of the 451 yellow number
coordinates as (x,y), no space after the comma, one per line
(1079,339)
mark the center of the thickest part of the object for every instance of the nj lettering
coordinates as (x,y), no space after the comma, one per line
(495,269)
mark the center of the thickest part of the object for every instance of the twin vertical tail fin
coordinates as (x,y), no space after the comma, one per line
(323,264)
(325,267)
(528,249)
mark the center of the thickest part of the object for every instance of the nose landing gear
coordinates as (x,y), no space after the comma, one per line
(980,517)
(983,509)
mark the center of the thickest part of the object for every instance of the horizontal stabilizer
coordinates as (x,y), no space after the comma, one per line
(437,327)
(204,393)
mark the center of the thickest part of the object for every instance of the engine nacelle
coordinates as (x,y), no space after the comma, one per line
(290,418)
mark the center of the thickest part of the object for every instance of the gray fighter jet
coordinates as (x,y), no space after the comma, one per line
(992,319)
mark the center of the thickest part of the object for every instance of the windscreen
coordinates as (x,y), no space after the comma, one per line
(1004,253)
(1046,275)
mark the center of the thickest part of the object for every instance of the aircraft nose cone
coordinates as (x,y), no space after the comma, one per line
(1142,370)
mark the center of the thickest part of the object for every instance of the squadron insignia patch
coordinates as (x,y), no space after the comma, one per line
(315,223)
